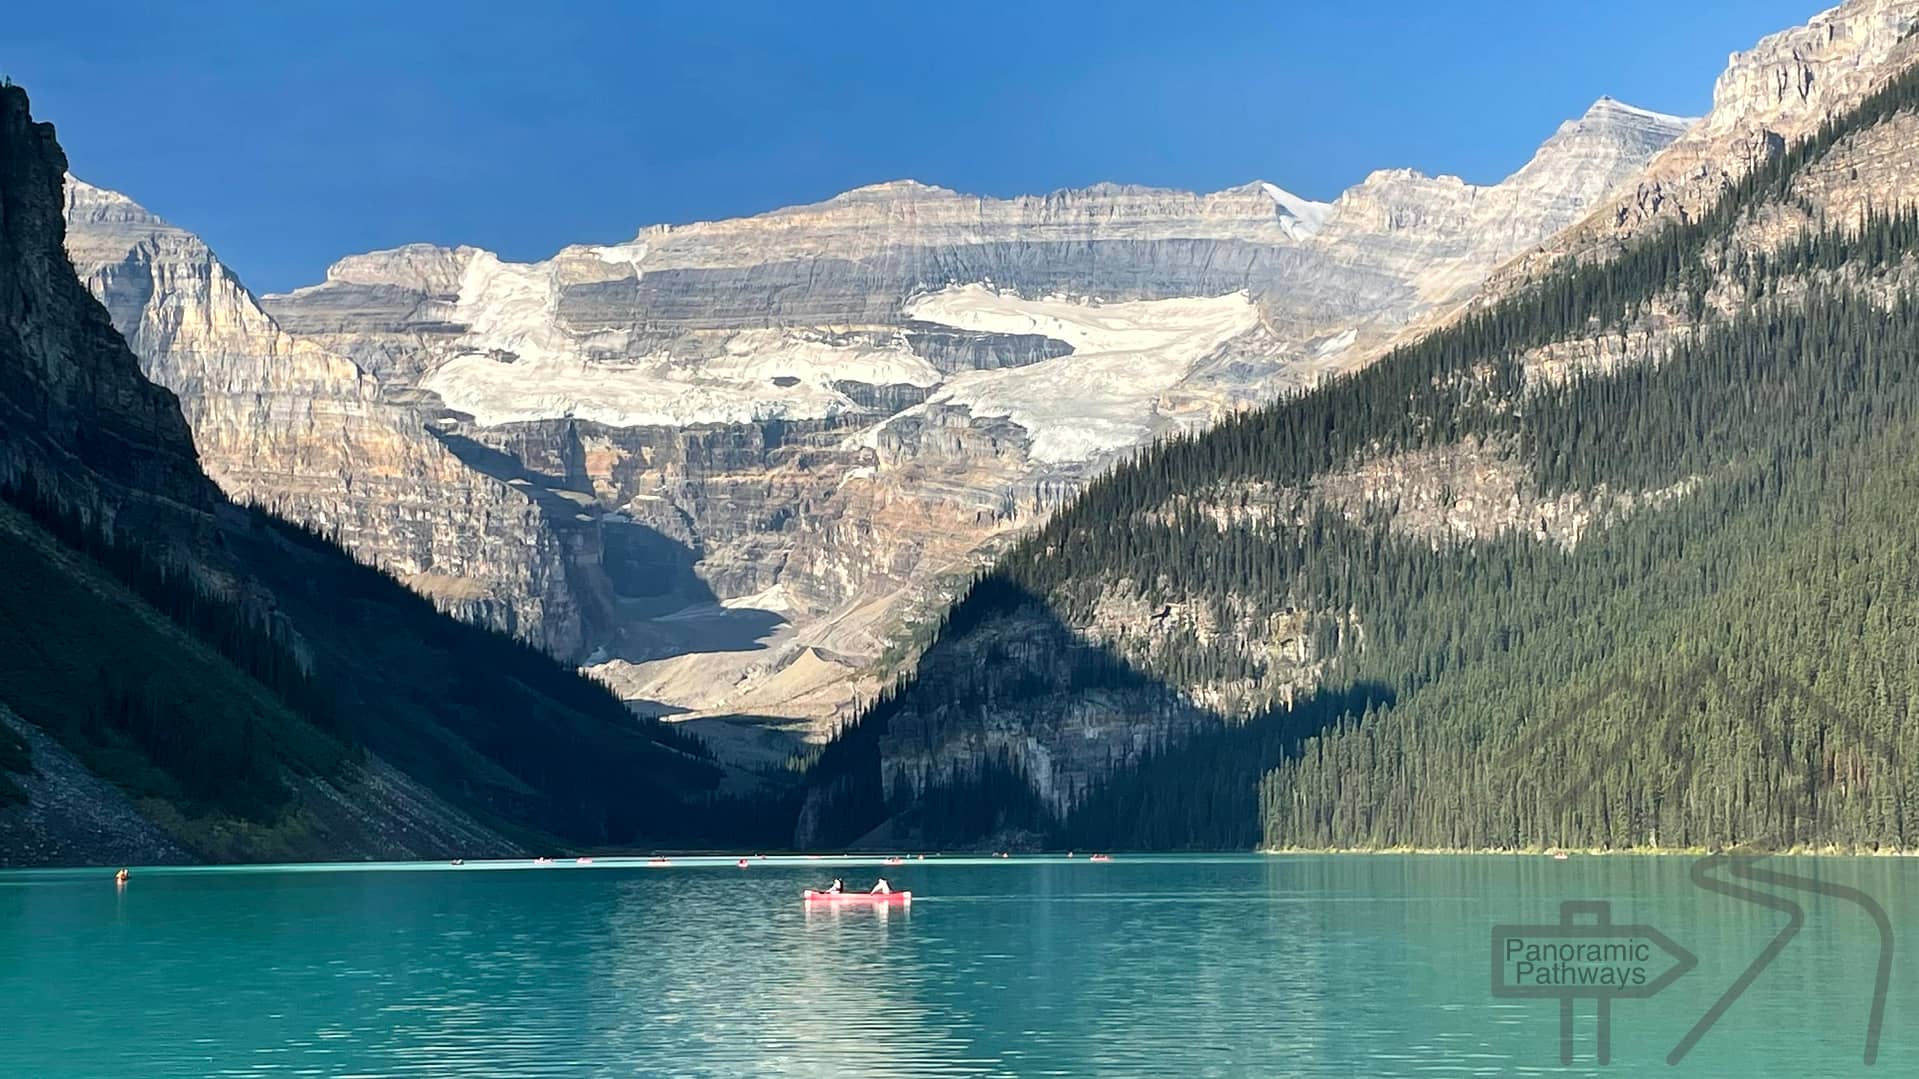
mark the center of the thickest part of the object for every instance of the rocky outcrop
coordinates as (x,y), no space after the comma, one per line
(1090,719)
(287,425)
(76,418)
(1474,490)
(1781,90)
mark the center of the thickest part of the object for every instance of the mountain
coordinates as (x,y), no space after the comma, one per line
(188,678)
(1618,555)
(1779,91)
(731,465)
(282,424)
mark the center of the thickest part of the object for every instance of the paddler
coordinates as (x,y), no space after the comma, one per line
(836,887)
(882,888)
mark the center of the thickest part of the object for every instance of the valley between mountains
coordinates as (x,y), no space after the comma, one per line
(729,467)
(1573,509)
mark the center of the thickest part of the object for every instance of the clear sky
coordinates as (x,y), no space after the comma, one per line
(289,134)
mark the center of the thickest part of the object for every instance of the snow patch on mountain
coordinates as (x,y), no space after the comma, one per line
(517,362)
(1613,104)
(767,374)
(1104,395)
(1303,217)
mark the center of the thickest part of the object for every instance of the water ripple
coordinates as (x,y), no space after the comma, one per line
(1202,967)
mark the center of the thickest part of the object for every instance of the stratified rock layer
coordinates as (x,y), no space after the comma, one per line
(287,425)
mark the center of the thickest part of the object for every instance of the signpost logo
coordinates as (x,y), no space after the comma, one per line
(1592,959)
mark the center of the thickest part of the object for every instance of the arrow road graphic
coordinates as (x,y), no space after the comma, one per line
(1742,866)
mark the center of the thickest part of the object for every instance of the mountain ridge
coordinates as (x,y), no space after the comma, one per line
(1604,112)
(255,692)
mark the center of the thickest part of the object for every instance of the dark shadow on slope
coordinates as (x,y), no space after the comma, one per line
(758,743)
(1010,670)
(660,607)
(704,627)
(498,464)
(1203,793)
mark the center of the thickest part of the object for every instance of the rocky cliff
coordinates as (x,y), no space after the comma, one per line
(286,425)
(1780,90)
(75,416)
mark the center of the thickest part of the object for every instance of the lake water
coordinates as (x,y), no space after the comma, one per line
(1320,965)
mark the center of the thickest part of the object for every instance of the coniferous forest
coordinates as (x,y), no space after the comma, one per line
(1731,662)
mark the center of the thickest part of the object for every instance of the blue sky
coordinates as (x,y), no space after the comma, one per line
(290,134)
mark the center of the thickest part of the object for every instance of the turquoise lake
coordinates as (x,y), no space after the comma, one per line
(1307,965)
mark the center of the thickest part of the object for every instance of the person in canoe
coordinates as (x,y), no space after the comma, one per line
(882,888)
(835,888)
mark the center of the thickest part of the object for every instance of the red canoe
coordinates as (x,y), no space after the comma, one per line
(895,898)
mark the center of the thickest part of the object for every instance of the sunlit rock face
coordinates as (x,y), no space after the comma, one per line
(726,463)
(286,424)
(1440,236)
(1779,91)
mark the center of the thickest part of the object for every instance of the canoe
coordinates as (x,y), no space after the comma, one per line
(893,898)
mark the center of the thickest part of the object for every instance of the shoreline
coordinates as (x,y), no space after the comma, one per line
(788,858)
(1596,852)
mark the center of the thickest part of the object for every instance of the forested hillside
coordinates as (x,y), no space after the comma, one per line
(247,687)
(1682,621)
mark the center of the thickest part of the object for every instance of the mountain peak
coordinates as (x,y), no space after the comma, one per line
(1609,108)
(1308,215)
(102,204)
(1610,135)
(891,189)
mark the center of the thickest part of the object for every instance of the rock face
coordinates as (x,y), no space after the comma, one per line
(783,435)
(76,418)
(1442,235)
(287,425)
(726,463)
(1780,90)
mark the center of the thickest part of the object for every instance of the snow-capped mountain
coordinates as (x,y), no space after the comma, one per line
(760,446)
